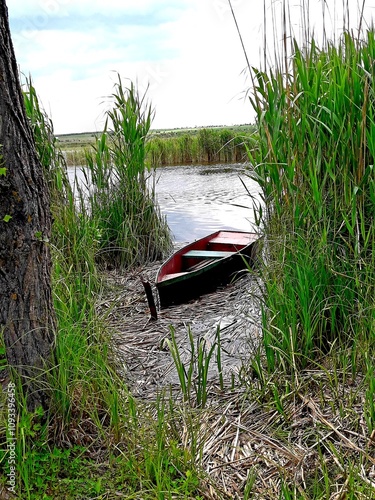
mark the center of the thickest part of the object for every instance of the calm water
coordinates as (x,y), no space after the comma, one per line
(201,199)
(198,200)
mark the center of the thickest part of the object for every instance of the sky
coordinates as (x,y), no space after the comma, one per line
(187,53)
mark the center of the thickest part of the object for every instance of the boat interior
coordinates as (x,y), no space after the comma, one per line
(223,244)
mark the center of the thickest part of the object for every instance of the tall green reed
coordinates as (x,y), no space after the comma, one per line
(79,360)
(74,244)
(207,145)
(315,116)
(120,200)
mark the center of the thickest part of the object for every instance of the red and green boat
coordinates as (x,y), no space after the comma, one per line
(203,265)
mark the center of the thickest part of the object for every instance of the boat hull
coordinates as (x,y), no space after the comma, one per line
(205,264)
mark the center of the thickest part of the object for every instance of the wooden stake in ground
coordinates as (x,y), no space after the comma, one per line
(150,299)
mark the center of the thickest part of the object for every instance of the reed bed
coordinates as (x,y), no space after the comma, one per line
(128,220)
(144,347)
(207,145)
(179,147)
(258,434)
(314,162)
(315,167)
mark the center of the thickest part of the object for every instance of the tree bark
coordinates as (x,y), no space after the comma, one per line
(26,306)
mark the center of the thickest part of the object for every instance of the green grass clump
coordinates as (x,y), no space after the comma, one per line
(120,201)
(315,168)
(315,165)
(193,377)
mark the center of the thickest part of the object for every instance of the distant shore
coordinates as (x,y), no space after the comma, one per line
(216,144)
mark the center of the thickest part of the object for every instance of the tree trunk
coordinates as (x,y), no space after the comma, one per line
(26,307)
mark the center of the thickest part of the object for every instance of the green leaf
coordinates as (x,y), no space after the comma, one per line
(3,171)
(7,218)
(39,236)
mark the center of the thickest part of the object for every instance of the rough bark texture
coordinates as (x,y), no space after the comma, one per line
(26,307)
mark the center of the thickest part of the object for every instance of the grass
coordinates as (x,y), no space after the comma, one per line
(317,177)
(117,196)
(96,439)
(193,377)
(205,145)
(314,163)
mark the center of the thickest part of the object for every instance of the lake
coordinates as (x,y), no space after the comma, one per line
(200,199)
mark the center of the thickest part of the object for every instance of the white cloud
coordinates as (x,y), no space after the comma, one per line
(188,51)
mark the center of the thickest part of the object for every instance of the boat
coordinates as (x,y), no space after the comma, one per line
(203,265)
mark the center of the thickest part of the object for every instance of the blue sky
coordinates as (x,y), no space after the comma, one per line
(186,51)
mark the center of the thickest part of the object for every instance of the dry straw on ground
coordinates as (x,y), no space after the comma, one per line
(141,342)
(245,442)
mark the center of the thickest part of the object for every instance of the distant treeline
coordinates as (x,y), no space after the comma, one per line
(207,145)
